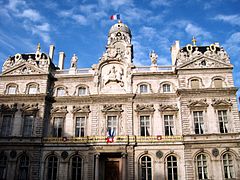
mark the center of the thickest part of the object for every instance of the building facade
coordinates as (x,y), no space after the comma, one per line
(118,121)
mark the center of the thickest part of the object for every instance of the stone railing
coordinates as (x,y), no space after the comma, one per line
(77,71)
(116,140)
(154,69)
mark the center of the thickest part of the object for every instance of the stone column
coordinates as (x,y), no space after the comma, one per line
(124,166)
(97,166)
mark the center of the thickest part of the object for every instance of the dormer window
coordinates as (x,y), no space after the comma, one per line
(32,89)
(60,91)
(195,84)
(218,83)
(12,89)
(166,88)
(82,91)
(143,88)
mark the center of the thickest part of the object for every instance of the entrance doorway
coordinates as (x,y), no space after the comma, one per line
(112,170)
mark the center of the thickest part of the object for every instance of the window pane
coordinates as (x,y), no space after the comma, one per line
(3,167)
(146,168)
(6,125)
(81,91)
(76,168)
(57,126)
(145,125)
(143,88)
(23,168)
(223,121)
(198,122)
(218,83)
(112,125)
(166,88)
(195,83)
(172,168)
(228,166)
(202,167)
(52,166)
(28,125)
(168,124)
(80,126)
(60,92)
(32,89)
(12,90)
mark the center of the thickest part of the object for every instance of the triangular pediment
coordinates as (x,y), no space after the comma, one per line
(204,62)
(144,108)
(23,69)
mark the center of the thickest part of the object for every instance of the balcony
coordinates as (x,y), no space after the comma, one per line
(116,140)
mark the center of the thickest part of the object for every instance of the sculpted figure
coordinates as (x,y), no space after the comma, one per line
(153,56)
(74,61)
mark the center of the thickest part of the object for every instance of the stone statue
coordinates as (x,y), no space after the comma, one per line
(196,53)
(74,61)
(153,56)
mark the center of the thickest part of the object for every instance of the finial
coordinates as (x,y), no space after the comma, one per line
(194,41)
(38,47)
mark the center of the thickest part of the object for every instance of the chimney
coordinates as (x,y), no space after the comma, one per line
(61,60)
(174,51)
(51,52)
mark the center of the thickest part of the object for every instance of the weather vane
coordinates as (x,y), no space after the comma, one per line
(194,41)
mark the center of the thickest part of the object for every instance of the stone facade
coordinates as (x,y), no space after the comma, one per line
(118,121)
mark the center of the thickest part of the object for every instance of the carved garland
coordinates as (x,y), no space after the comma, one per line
(60,109)
(81,109)
(145,108)
(8,108)
(221,103)
(202,103)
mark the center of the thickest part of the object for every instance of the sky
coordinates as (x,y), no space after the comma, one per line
(81,27)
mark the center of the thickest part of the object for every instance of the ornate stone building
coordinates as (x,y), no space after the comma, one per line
(118,121)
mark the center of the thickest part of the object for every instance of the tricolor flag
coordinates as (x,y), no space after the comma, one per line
(110,136)
(115,17)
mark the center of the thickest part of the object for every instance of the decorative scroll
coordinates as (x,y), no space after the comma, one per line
(199,103)
(8,108)
(81,109)
(112,108)
(221,103)
(168,108)
(61,109)
(29,107)
(144,108)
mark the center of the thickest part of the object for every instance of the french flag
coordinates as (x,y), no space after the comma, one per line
(115,17)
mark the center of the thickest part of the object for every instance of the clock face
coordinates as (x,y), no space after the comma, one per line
(120,46)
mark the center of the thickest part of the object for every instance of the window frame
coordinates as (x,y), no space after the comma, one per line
(81,126)
(3,166)
(143,88)
(32,85)
(15,89)
(200,122)
(63,91)
(204,166)
(144,125)
(167,89)
(195,86)
(79,91)
(24,131)
(172,167)
(225,122)
(9,131)
(71,168)
(55,130)
(142,169)
(173,129)
(116,126)
(53,166)
(27,165)
(228,166)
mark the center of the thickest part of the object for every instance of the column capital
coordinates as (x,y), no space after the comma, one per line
(124,154)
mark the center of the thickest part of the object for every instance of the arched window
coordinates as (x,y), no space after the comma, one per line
(52,167)
(195,84)
(82,91)
(76,170)
(23,169)
(166,88)
(60,91)
(32,89)
(143,88)
(218,83)
(12,89)
(172,168)
(227,161)
(3,167)
(202,170)
(146,168)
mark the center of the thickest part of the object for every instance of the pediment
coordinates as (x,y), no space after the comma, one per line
(221,103)
(198,104)
(29,107)
(60,109)
(168,108)
(204,62)
(81,109)
(144,108)
(112,108)
(23,69)
(8,107)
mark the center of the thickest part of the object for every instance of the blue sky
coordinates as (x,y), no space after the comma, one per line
(81,27)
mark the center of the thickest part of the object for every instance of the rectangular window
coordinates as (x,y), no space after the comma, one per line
(81,91)
(145,125)
(6,125)
(223,121)
(57,127)
(168,124)
(112,125)
(12,90)
(198,122)
(143,88)
(28,125)
(80,126)
(195,84)
(32,89)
